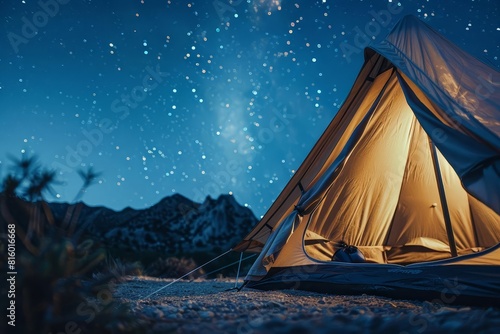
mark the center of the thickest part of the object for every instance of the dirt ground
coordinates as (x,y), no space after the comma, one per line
(212,306)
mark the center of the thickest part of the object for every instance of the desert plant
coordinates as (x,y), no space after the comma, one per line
(24,166)
(174,267)
(53,289)
(113,267)
(88,176)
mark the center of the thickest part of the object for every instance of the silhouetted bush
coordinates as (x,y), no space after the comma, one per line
(53,289)
(174,267)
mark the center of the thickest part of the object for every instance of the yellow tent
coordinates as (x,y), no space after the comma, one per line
(408,171)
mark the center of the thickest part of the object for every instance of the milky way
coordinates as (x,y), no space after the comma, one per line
(198,98)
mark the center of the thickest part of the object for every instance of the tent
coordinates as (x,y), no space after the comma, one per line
(408,171)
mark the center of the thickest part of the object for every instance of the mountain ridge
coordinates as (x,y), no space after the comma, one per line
(174,225)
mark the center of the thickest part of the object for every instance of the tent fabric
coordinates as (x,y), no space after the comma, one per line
(468,102)
(408,171)
(476,161)
(275,243)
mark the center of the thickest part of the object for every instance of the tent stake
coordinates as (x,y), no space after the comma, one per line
(444,203)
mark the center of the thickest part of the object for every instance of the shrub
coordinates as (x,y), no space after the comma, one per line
(174,267)
(53,289)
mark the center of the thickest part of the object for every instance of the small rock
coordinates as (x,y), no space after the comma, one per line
(322,301)
(256,322)
(206,314)
(191,305)
(174,316)
(168,309)
(253,306)
(360,310)
(273,304)
(152,312)
(278,317)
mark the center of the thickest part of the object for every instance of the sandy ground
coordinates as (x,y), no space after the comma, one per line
(206,306)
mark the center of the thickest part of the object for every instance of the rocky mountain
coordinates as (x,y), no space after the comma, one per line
(175,225)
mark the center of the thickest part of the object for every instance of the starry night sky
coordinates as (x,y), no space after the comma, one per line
(193,97)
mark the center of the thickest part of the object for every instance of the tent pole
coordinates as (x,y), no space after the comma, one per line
(238,274)
(444,203)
